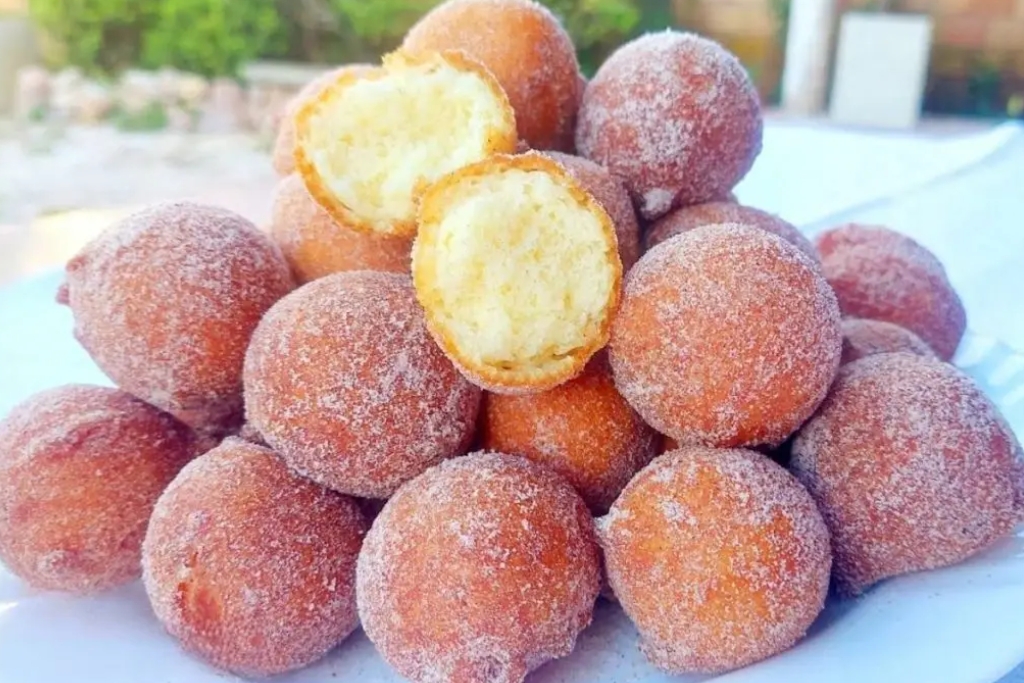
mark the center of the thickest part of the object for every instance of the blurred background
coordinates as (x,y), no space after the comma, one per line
(109,104)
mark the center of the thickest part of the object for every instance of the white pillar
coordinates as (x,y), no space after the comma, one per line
(808,56)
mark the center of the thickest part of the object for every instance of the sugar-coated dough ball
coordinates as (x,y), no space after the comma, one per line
(727,336)
(283,154)
(879,274)
(611,194)
(526,48)
(719,557)
(250,566)
(714,213)
(343,380)
(518,270)
(80,470)
(862,338)
(368,145)
(583,429)
(481,569)
(912,466)
(165,302)
(316,245)
(675,116)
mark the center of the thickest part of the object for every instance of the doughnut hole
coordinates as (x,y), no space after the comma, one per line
(368,145)
(912,466)
(343,380)
(675,116)
(165,302)
(80,470)
(719,557)
(879,274)
(251,567)
(481,569)
(583,429)
(727,336)
(518,270)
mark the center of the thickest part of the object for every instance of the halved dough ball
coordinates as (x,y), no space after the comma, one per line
(518,270)
(283,154)
(370,143)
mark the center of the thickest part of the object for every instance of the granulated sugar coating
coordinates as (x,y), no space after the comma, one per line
(719,557)
(714,213)
(165,302)
(912,467)
(880,274)
(250,566)
(283,154)
(583,429)
(675,116)
(727,336)
(862,338)
(315,245)
(343,380)
(526,48)
(80,470)
(481,569)
(613,197)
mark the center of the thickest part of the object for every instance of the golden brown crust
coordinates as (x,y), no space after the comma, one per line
(316,246)
(501,380)
(527,49)
(500,140)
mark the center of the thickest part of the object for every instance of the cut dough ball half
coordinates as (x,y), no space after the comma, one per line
(518,270)
(367,146)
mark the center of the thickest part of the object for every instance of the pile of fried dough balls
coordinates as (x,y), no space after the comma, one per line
(509,344)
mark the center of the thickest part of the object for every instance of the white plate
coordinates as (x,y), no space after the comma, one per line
(964,624)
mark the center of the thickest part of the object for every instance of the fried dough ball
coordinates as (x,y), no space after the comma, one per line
(80,469)
(611,194)
(583,429)
(727,336)
(368,145)
(675,116)
(344,382)
(165,302)
(912,467)
(316,245)
(250,566)
(716,213)
(481,569)
(863,338)
(880,274)
(526,48)
(719,557)
(518,270)
(283,154)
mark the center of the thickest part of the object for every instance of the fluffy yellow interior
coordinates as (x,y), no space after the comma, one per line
(521,270)
(379,141)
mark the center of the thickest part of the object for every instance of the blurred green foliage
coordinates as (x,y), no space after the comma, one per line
(596,23)
(212,37)
(381,22)
(99,36)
